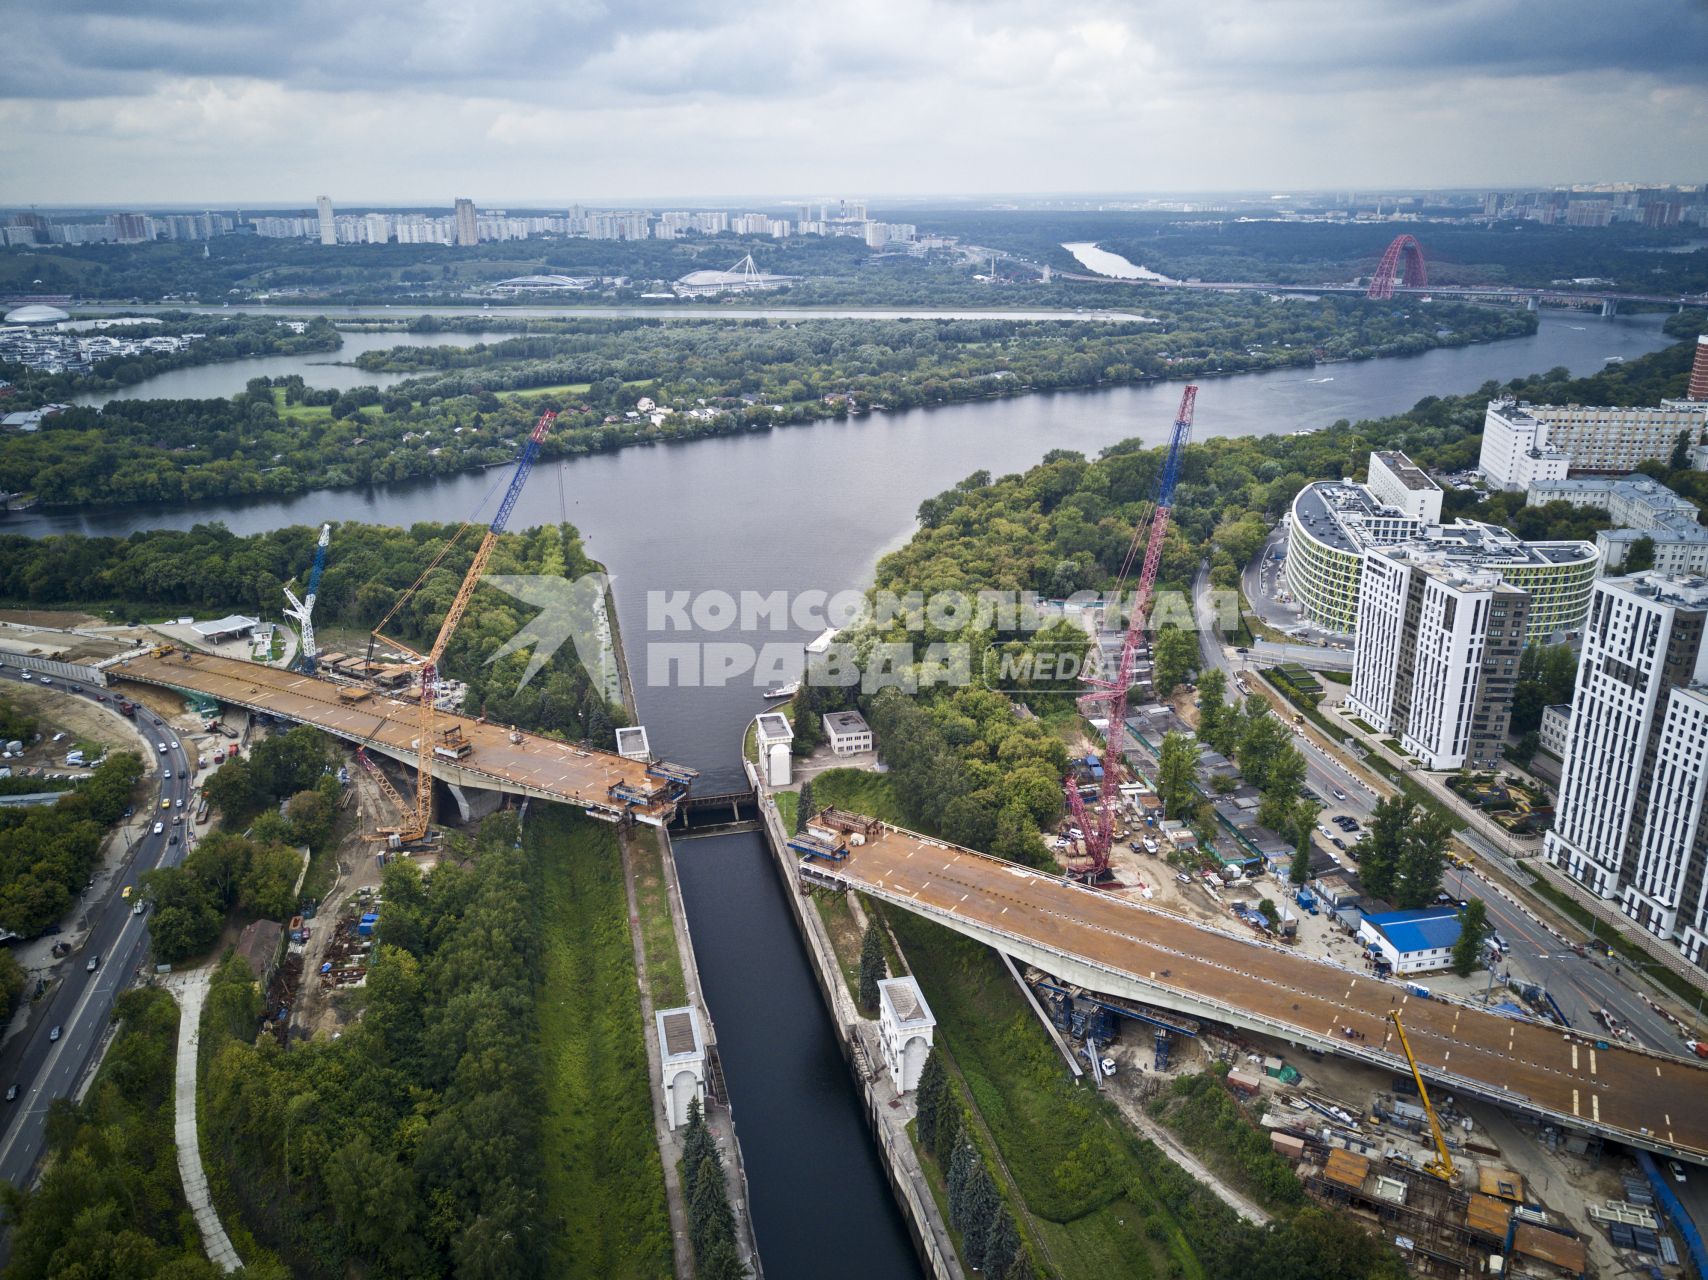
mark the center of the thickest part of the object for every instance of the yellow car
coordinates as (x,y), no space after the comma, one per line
(126,893)
(165,804)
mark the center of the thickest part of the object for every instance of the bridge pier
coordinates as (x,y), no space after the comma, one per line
(474,803)
(1609,306)
(1532,303)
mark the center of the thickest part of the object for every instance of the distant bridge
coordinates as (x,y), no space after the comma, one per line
(606,785)
(1128,949)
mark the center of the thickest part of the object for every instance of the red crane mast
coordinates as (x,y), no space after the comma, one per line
(1097,829)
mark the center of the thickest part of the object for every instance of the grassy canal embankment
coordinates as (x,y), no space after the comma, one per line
(604,1179)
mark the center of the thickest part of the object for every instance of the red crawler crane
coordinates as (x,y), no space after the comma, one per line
(1098,828)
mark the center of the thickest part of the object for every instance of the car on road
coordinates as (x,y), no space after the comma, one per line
(159,828)
(167,774)
(54,1034)
(1340,795)
(12,1093)
(165,803)
(174,744)
(180,802)
(127,891)
(162,747)
(1678,1174)
(140,907)
(174,839)
(94,963)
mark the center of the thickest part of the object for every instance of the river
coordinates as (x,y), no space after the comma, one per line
(813,507)
(335,370)
(1094,258)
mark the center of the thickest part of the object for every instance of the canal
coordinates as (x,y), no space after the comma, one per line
(810,509)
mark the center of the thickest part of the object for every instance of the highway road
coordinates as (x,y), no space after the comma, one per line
(1580,985)
(80,1002)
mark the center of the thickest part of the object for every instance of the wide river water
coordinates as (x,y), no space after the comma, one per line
(804,509)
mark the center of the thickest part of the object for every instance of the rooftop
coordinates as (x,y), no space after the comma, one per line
(774,724)
(679,1033)
(1665,588)
(1405,470)
(1348,517)
(905,1002)
(847,722)
(1417,930)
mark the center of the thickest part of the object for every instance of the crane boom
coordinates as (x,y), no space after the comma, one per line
(451,742)
(1442,1165)
(1098,830)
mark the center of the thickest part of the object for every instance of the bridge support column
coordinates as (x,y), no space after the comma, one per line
(1532,303)
(474,803)
(1610,306)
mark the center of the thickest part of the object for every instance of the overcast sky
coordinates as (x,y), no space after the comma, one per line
(404,101)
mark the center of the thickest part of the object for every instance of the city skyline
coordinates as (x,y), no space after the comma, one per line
(102,105)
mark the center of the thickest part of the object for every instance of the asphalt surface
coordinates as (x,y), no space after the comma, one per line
(1580,985)
(80,1002)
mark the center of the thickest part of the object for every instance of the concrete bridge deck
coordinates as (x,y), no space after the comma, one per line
(1105,943)
(539,767)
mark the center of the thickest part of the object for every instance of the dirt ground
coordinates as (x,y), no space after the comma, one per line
(77,718)
(49,618)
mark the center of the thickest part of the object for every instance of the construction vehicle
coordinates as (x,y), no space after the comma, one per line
(303,610)
(1097,829)
(451,744)
(1442,1165)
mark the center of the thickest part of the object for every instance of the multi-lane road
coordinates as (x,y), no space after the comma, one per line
(1580,985)
(80,1002)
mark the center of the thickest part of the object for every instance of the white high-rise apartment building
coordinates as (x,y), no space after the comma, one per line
(468,226)
(1396,481)
(1436,657)
(1626,826)
(328,231)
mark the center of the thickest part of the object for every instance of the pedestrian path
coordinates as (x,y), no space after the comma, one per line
(191,990)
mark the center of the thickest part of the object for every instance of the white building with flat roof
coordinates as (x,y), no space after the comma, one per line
(776,739)
(1524,443)
(1641,507)
(906,1027)
(682,1061)
(1397,481)
(847,732)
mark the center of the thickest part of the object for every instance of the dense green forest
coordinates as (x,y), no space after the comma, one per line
(48,852)
(110,1202)
(208,568)
(1229,246)
(228,337)
(409,1146)
(720,379)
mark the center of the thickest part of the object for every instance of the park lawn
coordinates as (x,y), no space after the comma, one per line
(858,791)
(604,1179)
(658,931)
(1095,1189)
(557,389)
(314,412)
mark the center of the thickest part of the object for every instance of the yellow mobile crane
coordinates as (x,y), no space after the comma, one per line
(1442,1165)
(451,742)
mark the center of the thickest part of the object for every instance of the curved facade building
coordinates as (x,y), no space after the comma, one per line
(1332,524)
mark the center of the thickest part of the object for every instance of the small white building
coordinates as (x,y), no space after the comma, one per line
(231,627)
(776,748)
(682,1058)
(632,743)
(905,1028)
(1412,941)
(1556,729)
(847,732)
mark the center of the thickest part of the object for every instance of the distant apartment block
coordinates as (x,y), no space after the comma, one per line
(1640,507)
(1629,824)
(1524,444)
(468,228)
(327,223)
(1334,524)
(1437,655)
(1698,390)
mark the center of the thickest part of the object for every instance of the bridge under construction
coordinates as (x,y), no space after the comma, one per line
(608,786)
(1128,949)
